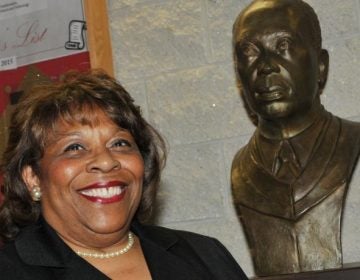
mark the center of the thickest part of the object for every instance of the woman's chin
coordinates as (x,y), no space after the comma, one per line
(105,226)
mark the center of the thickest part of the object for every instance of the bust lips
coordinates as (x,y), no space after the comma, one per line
(271,93)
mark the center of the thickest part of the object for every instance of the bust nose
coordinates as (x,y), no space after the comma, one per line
(267,65)
(103,161)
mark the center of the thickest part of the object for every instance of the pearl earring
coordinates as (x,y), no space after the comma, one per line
(36,193)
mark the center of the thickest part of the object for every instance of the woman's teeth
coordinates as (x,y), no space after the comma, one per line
(103,192)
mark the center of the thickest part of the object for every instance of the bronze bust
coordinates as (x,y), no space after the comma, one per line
(290,181)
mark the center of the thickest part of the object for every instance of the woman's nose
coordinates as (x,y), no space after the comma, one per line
(103,161)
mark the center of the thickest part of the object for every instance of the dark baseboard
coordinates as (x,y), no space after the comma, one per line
(347,272)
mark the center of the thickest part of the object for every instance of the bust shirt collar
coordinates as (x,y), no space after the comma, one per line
(303,143)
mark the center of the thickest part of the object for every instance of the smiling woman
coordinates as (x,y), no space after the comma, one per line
(81,172)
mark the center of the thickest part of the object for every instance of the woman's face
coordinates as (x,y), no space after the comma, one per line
(91,179)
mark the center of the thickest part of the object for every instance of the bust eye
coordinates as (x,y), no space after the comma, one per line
(249,49)
(284,45)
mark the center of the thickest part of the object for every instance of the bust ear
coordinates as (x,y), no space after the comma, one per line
(30,178)
(236,64)
(323,68)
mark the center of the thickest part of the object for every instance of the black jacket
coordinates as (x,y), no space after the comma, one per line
(38,253)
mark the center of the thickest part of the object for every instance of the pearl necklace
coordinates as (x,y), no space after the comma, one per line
(112,254)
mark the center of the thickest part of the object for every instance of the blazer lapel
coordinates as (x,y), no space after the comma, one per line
(165,259)
(338,156)
(40,246)
(255,188)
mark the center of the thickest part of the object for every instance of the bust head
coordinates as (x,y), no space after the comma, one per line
(279,60)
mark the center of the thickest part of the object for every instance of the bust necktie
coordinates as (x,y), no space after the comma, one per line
(286,166)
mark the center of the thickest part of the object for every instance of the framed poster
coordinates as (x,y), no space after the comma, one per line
(42,39)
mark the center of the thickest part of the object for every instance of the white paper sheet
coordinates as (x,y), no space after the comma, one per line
(38,30)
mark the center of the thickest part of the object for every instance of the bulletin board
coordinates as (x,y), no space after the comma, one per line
(40,40)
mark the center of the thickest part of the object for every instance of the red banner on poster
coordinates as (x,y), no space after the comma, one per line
(11,79)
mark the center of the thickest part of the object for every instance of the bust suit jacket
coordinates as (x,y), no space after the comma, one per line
(297,226)
(38,253)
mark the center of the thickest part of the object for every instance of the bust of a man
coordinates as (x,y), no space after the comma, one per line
(290,181)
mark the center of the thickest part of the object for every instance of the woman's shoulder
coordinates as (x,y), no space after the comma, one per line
(9,261)
(8,251)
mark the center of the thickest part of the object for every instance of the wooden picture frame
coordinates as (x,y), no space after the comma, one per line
(98,35)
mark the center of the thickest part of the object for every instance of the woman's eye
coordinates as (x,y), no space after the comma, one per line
(73,147)
(122,143)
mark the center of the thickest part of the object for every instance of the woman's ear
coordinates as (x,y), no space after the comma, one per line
(30,178)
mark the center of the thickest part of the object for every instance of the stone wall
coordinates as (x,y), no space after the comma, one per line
(175,58)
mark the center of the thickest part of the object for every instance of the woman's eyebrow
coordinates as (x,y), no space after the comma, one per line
(56,136)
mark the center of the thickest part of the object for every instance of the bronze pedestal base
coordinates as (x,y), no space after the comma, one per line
(348,272)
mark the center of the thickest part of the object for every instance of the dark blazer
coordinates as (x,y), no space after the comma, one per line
(38,253)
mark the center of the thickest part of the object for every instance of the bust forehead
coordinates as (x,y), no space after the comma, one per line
(274,4)
(270,16)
